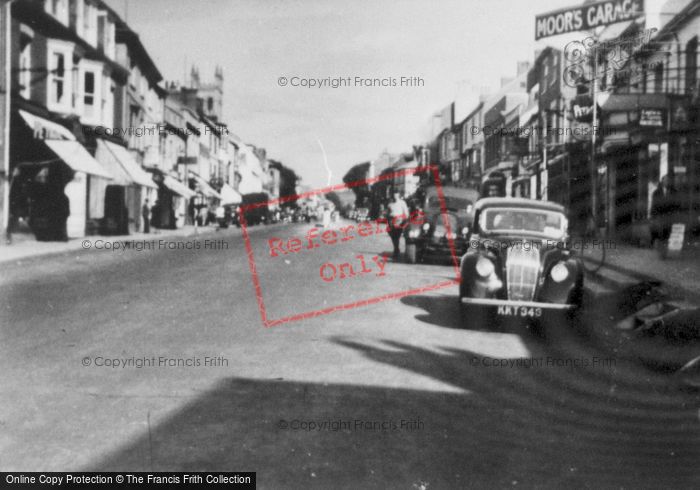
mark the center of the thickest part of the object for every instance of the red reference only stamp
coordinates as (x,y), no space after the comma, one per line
(318,245)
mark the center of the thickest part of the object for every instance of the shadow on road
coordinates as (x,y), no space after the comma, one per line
(500,426)
(442,311)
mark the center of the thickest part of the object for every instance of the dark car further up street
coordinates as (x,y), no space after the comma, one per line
(431,240)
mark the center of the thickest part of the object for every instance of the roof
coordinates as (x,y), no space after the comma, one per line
(519,202)
(138,52)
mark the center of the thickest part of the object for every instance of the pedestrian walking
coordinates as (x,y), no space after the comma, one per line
(397,213)
(146,215)
(663,207)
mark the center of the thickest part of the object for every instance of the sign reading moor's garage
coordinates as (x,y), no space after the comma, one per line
(587,17)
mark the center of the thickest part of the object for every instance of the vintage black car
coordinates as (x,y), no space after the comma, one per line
(431,240)
(256,209)
(519,263)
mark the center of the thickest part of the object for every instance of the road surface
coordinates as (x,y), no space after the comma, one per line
(395,394)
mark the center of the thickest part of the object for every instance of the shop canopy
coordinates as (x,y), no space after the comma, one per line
(229,195)
(178,187)
(204,187)
(136,174)
(77,157)
(45,129)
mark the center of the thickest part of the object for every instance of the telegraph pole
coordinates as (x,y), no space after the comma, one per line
(593,169)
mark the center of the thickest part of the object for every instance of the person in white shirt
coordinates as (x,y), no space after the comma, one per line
(398,214)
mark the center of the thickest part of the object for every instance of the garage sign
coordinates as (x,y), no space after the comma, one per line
(587,17)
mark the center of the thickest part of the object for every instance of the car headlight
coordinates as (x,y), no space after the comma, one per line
(465,230)
(484,267)
(426,226)
(559,272)
(413,233)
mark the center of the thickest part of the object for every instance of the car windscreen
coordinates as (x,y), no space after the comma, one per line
(549,224)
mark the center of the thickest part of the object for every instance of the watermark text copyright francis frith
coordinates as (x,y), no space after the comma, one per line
(153,362)
(154,245)
(350,424)
(334,82)
(547,362)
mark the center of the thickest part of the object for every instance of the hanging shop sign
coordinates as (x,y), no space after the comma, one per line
(587,17)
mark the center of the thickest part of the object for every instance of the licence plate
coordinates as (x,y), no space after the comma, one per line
(520,311)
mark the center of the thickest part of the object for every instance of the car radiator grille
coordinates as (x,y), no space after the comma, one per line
(522,270)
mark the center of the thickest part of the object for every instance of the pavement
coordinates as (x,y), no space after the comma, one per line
(158,360)
(24,246)
(626,265)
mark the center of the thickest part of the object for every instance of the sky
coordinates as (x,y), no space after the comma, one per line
(451,44)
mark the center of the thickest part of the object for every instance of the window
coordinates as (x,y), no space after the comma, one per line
(101,32)
(58,9)
(73,14)
(210,104)
(691,66)
(90,23)
(58,78)
(658,78)
(25,73)
(89,93)
(87,13)
(555,64)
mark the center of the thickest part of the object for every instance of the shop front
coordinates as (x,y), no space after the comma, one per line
(116,205)
(646,142)
(51,172)
(170,207)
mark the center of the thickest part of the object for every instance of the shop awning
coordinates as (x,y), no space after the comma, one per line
(204,187)
(45,129)
(77,157)
(229,195)
(178,187)
(634,102)
(138,175)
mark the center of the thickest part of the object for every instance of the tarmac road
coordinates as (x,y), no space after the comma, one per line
(394,394)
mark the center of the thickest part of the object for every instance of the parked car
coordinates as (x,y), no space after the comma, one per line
(520,263)
(432,239)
